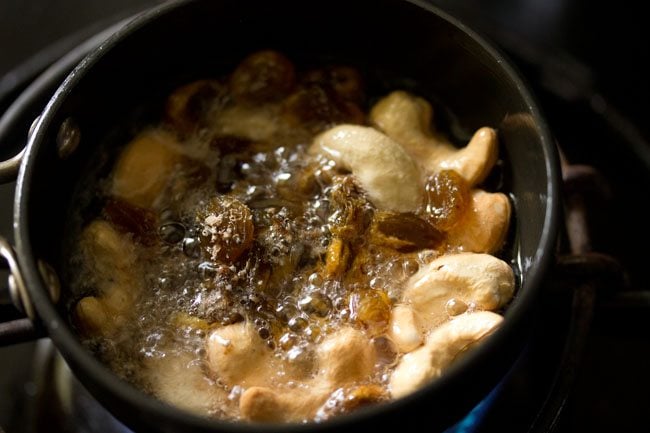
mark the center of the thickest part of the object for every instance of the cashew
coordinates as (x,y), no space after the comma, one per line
(236,355)
(180,381)
(442,347)
(407,119)
(111,254)
(343,357)
(92,316)
(113,262)
(479,279)
(251,122)
(484,227)
(404,329)
(384,170)
(263,404)
(105,313)
(142,170)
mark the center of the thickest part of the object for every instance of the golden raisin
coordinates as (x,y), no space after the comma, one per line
(350,210)
(188,105)
(446,199)
(363,395)
(227,228)
(337,258)
(404,232)
(317,108)
(371,309)
(262,77)
(345,81)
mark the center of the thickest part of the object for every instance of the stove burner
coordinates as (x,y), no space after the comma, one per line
(62,403)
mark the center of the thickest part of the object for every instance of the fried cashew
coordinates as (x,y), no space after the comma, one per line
(263,404)
(403,329)
(142,170)
(111,254)
(384,170)
(479,279)
(442,347)
(407,120)
(484,227)
(179,381)
(236,355)
(343,358)
(113,261)
(251,122)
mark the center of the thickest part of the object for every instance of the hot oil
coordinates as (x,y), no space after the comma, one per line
(278,285)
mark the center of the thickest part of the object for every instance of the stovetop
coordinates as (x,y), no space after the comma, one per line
(585,368)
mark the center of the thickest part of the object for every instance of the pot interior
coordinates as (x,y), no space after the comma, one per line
(396,44)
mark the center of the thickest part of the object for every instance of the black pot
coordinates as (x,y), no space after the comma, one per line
(178,42)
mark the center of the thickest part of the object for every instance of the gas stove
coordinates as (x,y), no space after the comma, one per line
(585,365)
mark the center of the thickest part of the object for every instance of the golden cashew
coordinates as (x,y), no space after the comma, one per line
(479,279)
(407,119)
(142,170)
(104,314)
(263,404)
(251,122)
(113,261)
(111,254)
(179,381)
(442,347)
(344,357)
(109,311)
(236,355)
(384,170)
(484,226)
(92,317)
(404,329)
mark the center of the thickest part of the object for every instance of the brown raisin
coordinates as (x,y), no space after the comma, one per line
(187,106)
(128,218)
(404,232)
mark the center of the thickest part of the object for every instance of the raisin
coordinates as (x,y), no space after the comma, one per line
(345,81)
(351,213)
(264,76)
(363,395)
(128,218)
(337,258)
(227,228)
(371,309)
(404,232)
(318,108)
(446,199)
(230,143)
(187,106)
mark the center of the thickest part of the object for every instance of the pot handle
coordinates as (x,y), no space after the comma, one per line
(16,330)
(9,168)
(64,58)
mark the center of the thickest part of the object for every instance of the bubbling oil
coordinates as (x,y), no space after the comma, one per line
(249,227)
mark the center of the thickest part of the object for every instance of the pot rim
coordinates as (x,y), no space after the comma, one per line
(70,346)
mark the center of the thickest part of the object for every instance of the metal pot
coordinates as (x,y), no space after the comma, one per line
(176,42)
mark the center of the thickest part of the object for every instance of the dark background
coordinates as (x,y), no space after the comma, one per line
(587,61)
